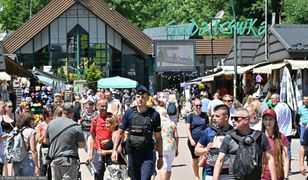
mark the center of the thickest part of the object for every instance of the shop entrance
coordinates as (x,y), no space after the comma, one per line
(78,49)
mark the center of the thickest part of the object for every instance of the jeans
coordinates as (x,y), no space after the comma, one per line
(289,150)
(141,165)
(303,127)
(99,166)
(24,168)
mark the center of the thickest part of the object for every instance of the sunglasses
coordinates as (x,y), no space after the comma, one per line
(198,105)
(230,101)
(236,118)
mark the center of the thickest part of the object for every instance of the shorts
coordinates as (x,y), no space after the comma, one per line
(192,149)
(168,157)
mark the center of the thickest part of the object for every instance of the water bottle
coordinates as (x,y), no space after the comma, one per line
(91,168)
(100,156)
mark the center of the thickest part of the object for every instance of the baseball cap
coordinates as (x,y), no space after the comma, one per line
(142,90)
(269,112)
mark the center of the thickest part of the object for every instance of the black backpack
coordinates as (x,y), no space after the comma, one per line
(140,136)
(214,151)
(171,109)
(248,160)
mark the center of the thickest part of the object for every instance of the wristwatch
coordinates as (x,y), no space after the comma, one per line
(160,156)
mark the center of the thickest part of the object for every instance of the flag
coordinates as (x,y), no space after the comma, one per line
(287,93)
(299,85)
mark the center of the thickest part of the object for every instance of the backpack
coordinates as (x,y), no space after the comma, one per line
(86,120)
(140,136)
(171,109)
(15,149)
(214,151)
(248,160)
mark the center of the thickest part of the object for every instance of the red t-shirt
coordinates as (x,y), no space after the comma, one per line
(100,132)
(285,143)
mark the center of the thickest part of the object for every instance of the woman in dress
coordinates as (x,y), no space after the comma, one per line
(170,143)
(279,147)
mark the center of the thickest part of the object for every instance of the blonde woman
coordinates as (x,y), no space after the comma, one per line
(116,170)
(116,110)
(170,143)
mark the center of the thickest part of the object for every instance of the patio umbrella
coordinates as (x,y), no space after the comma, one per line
(116,82)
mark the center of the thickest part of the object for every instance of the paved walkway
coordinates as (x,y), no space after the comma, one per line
(182,165)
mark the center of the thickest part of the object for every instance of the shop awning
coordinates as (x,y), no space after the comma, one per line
(267,69)
(13,68)
(211,77)
(240,69)
(298,64)
(5,76)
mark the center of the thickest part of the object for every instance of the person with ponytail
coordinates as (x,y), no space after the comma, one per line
(279,147)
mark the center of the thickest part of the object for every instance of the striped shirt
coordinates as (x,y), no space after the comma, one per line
(303,113)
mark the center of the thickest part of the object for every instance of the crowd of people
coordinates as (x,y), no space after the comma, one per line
(129,134)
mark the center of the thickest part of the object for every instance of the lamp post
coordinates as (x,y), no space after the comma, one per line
(235,51)
(218,16)
(30,13)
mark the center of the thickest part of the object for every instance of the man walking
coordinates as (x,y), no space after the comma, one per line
(212,104)
(303,115)
(220,125)
(64,137)
(302,153)
(141,122)
(230,146)
(100,135)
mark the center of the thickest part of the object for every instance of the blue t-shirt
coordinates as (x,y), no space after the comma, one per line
(207,137)
(128,117)
(205,103)
(197,124)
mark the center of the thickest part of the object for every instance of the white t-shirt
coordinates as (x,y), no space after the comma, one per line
(257,126)
(212,104)
(284,118)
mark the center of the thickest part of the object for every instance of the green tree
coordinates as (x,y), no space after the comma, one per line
(16,12)
(93,74)
(61,73)
(295,12)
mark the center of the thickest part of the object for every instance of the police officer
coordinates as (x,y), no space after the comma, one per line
(141,122)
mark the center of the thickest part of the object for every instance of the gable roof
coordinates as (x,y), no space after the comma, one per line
(285,41)
(246,49)
(98,7)
(294,37)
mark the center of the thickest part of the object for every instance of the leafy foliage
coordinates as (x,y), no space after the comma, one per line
(17,12)
(295,12)
(154,13)
(93,74)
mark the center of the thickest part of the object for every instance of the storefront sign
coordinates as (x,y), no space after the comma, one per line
(243,28)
